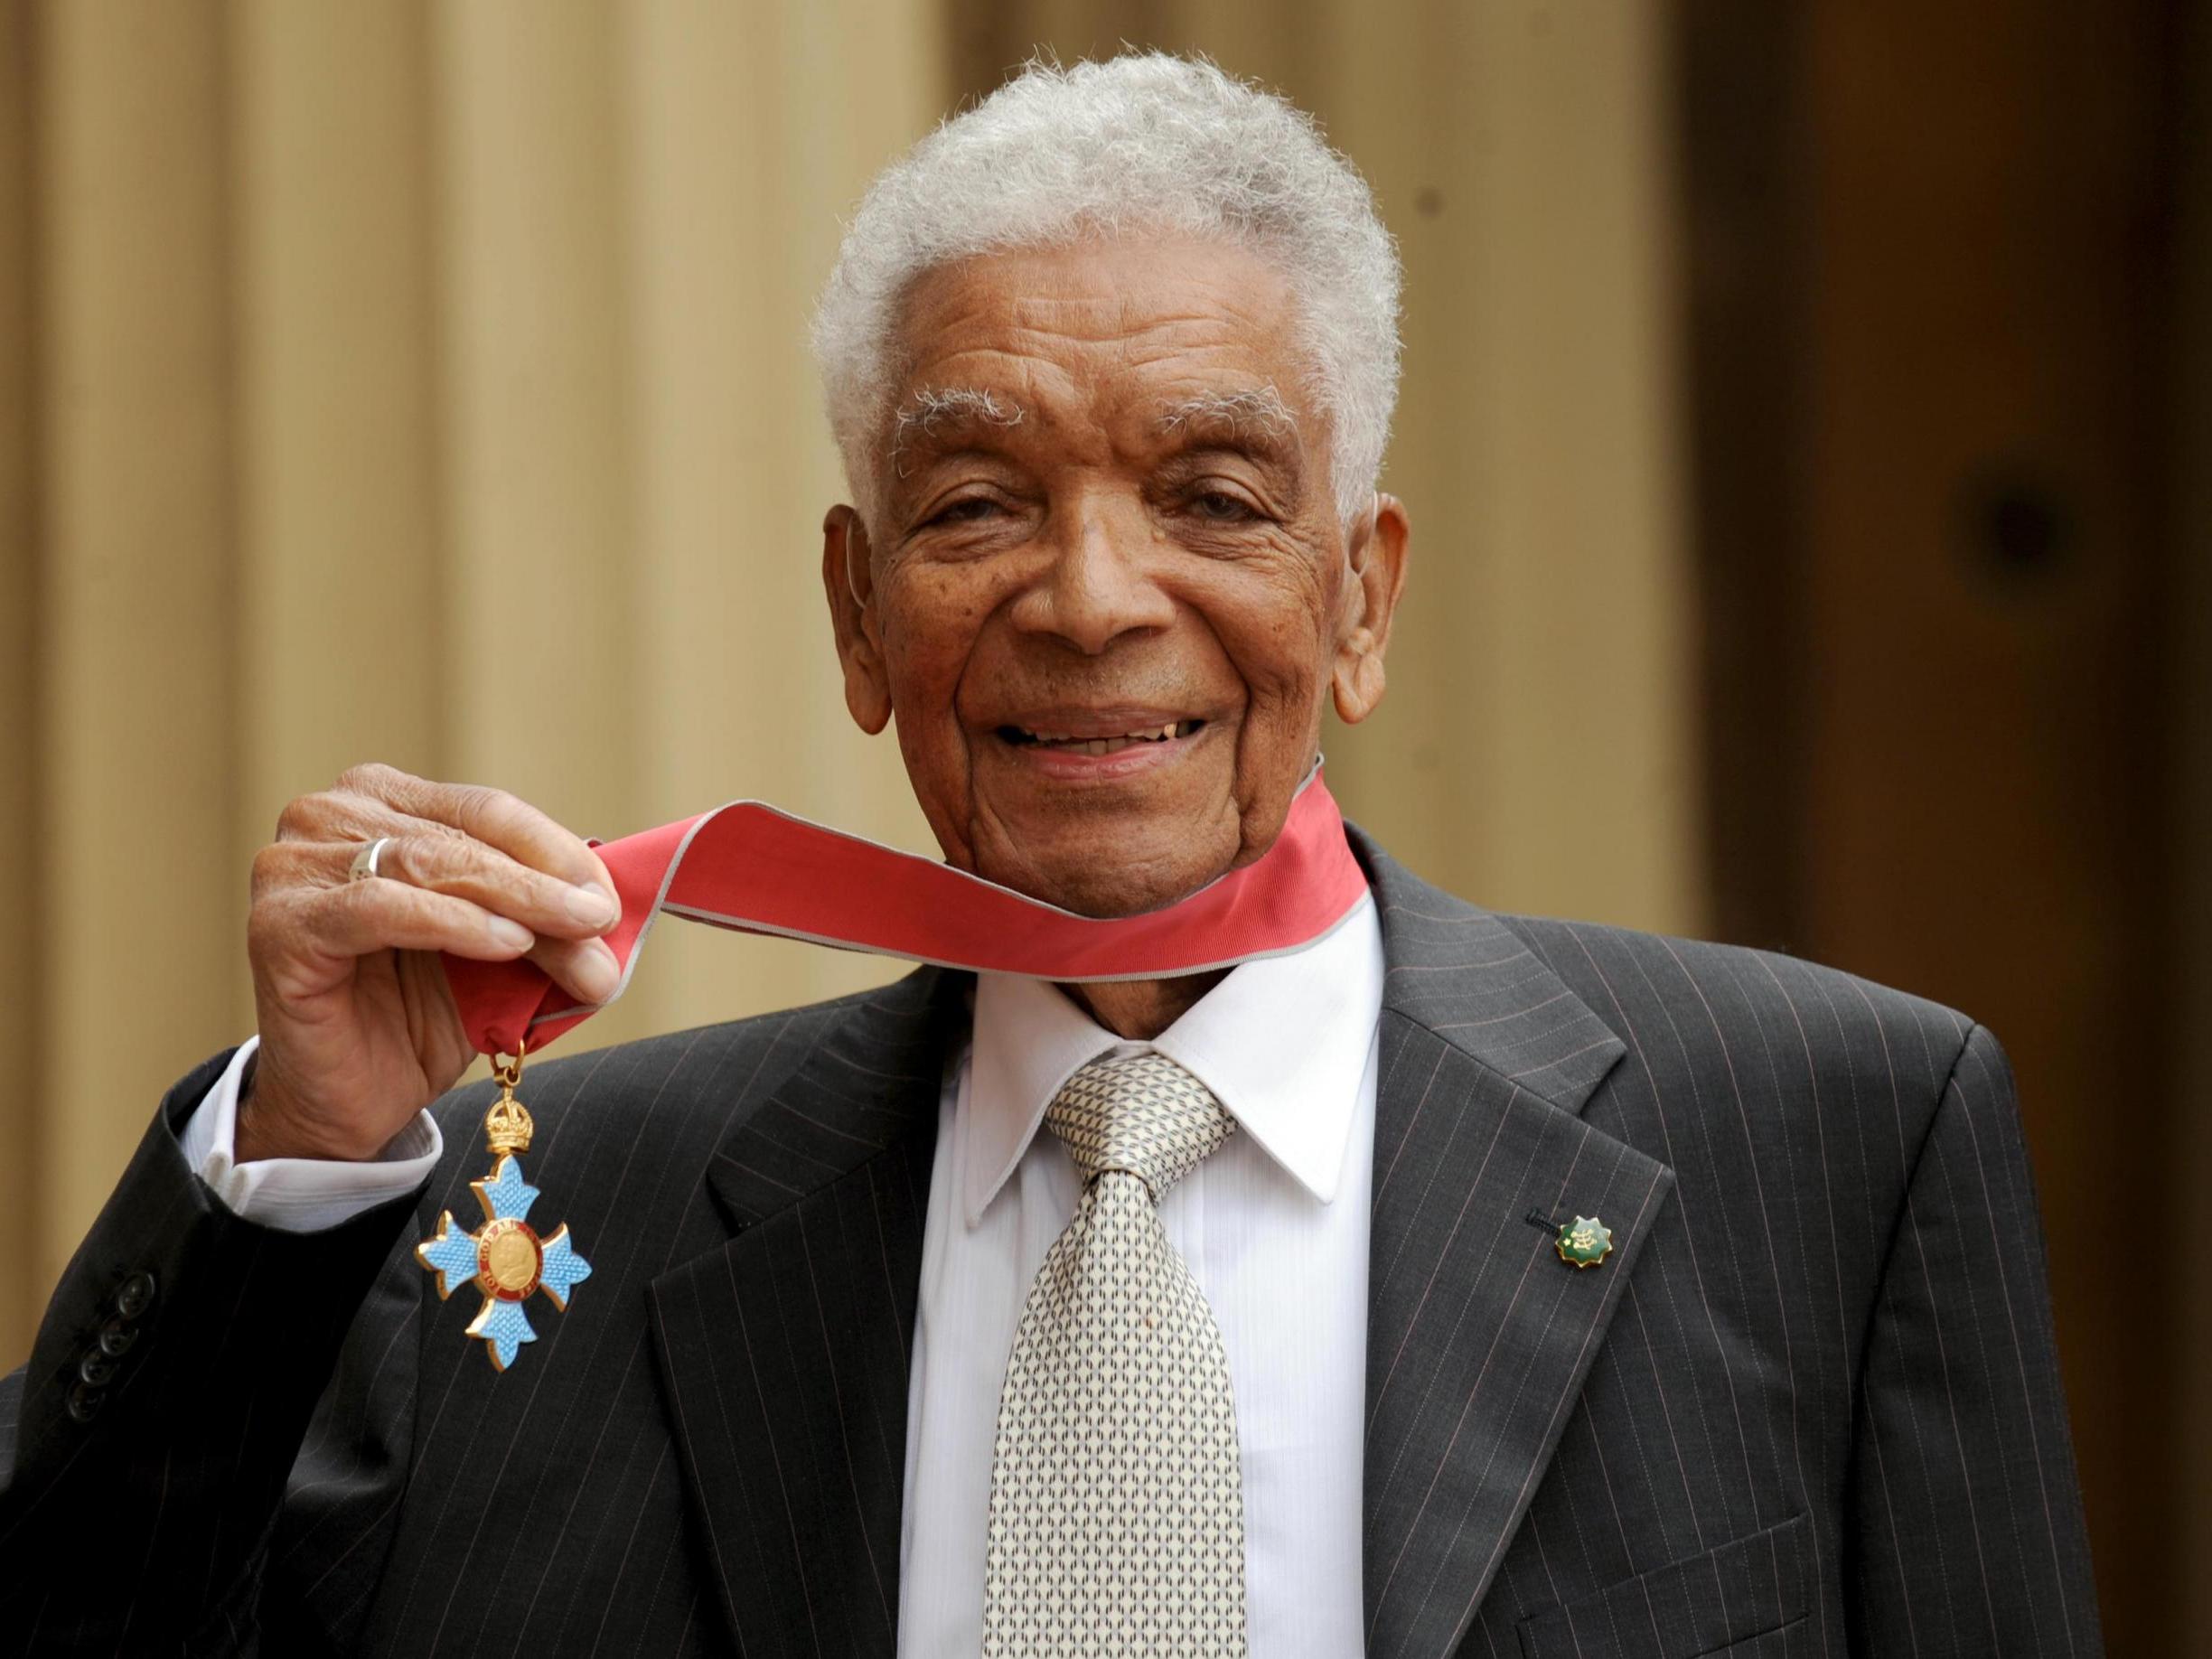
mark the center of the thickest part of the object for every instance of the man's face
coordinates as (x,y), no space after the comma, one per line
(1107,593)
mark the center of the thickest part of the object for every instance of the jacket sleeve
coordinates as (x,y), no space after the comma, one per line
(1965,1511)
(180,1385)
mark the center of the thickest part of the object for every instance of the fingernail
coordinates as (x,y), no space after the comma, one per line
(597,972)
(593,904)
(512,935)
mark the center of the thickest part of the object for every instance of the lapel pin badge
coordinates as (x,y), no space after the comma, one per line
(1584,1241)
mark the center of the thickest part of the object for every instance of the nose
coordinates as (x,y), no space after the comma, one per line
(1096,588)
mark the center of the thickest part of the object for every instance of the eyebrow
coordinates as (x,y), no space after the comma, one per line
(934,416)
(1251,411)
(936,411)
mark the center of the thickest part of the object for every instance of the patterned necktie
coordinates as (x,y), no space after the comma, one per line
(1117,1509)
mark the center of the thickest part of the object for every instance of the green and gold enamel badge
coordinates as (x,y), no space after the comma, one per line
(1584,1241)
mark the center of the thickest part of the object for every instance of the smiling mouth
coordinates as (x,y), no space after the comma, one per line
(1021,737)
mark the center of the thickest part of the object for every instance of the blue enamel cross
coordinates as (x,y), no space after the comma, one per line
(505,1259)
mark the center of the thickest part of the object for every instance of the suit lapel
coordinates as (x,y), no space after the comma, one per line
(785,1353)
(1478,1334)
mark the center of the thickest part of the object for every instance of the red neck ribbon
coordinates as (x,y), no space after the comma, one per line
(750,867)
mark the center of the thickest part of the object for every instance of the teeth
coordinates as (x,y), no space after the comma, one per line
(1109,745)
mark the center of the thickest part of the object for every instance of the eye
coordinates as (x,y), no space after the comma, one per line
(1220,507)
(968,509)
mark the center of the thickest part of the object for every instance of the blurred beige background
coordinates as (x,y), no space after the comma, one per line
(426,382)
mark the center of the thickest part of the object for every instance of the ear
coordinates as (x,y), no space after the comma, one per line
(1377,552)
(849,584)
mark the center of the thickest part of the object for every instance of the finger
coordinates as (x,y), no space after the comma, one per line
(584,968)
(493,816)
(440,859)
(337,815)
(364,916)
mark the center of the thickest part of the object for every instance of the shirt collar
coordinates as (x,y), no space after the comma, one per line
(1282,1042)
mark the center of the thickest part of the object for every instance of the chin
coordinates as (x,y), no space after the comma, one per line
(1123,881)
(1114,893)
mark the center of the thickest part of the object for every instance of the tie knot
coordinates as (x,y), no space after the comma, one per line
(1140,1113)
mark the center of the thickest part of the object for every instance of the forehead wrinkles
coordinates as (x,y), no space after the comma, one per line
(1033,365)
(1052,330)
(1003,330)
(1215,317)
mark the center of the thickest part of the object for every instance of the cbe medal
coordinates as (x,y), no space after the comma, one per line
(504,1259)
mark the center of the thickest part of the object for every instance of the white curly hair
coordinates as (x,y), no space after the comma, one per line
(1145,141)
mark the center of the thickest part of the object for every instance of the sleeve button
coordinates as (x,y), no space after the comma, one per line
(85,1402)
(135,1296)
(116,1337)
(97,1369)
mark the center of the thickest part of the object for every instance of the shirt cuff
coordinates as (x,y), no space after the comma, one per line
(299,1195)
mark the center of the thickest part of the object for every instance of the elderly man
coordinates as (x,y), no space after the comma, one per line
(1450,1284)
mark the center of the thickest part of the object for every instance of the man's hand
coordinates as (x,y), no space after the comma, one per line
(359,1030)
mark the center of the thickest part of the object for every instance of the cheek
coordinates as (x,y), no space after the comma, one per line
(1273,624)
(931,620)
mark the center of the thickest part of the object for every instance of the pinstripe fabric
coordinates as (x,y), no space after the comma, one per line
(1826,1418)
(1809,1406)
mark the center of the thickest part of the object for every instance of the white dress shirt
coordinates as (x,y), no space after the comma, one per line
(299,1195)
(1274,1226)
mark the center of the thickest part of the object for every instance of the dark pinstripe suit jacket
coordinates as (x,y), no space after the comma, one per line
(1809,1405)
